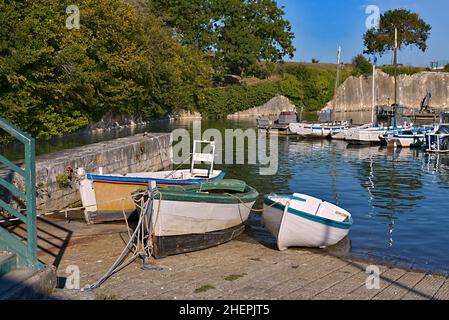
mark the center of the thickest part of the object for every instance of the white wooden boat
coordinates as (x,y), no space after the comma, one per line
(343,134)
(198,216)
(372,135)
(107,197)
(299,220)
(316,130)
(366,136)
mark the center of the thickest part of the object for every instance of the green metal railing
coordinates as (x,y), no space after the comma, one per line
(26,251)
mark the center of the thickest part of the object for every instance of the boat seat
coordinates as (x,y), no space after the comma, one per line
(305,203)
(330,211)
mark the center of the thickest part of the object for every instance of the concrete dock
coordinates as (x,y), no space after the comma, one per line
(241,269)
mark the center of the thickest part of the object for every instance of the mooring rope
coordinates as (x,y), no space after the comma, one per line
(142,233)
(250,208)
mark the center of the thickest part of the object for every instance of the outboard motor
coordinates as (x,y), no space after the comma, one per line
(444,141)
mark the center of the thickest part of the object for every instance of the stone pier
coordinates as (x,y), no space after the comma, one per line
(244,269)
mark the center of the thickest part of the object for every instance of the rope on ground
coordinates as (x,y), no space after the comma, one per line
(138,242)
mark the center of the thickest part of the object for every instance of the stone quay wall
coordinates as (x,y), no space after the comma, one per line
(142,152)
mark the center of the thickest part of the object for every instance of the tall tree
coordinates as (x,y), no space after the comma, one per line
(55,81)
(397,28)
(412,31)
(236,33)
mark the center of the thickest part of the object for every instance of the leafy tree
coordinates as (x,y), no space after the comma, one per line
(55,81)
(315,60)
(236,33)
(412,30)
(446,68)
(361,65)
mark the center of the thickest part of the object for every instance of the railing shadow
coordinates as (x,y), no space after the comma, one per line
(362,264)
(53,239)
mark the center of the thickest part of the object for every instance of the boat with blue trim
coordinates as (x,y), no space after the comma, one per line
(107,197)
(300,220)
(408,138)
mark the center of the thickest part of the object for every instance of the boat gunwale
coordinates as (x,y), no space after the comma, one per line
(137,180)
(248,196)
(328,222)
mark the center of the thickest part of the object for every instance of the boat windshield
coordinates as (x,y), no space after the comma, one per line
(444,117)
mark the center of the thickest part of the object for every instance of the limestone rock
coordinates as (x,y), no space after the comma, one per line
(354,96)
(273,107)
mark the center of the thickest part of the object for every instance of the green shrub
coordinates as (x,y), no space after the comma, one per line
(361,65)
(303,84)
(446,68)
(63,181)
(401,70)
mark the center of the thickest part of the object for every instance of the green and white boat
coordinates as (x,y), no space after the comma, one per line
(196,217)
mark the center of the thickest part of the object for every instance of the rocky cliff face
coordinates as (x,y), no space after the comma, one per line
(354,96)
(272,108)
(113,120)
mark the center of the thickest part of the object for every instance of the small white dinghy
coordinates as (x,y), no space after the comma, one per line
(299,220)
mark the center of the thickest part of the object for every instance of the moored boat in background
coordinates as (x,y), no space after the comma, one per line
(281,125)
(438,140)
(343,134)
(409,138)
(323,130)
(372,135)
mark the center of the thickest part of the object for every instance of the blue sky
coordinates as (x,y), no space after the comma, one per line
(320,26)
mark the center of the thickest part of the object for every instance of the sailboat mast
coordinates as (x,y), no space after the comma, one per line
(395,70)
(337,82)
(373,102)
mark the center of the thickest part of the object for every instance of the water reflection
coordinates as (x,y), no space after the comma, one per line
(398,198)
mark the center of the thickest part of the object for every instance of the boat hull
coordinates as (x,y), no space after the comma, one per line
(108,197)
(315,131)
(165,246)
(292,228)
(184,221)
(175,218)
(404,142)
(364,137)
(345,133)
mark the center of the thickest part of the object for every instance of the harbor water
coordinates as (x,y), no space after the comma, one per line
(399,198)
